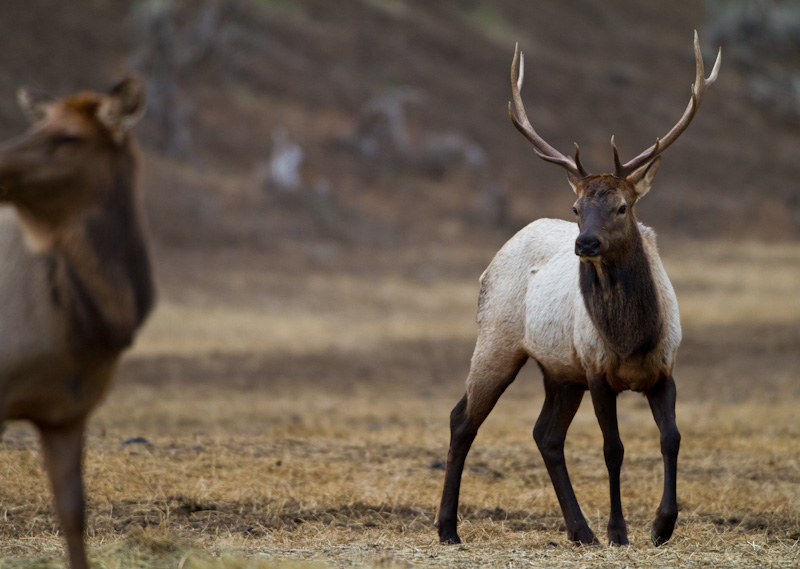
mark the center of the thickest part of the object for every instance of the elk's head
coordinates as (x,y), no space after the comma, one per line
(71,151)
(604,208)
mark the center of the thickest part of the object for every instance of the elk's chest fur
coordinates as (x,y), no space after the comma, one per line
(538,267)
(42,377)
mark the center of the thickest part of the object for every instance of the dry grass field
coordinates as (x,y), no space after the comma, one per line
(300,419)
(287,405)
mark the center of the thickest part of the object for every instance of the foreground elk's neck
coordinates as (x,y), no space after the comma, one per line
(622,300)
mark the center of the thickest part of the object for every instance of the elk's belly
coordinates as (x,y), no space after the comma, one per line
(51,389)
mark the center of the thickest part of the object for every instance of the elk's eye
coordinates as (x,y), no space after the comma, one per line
(622,209)
(575,210)
(67,139)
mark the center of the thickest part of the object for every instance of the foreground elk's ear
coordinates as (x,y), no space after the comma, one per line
(34,104)
(123,107)
(642,179)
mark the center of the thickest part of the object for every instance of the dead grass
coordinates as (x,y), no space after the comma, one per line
(744,284)
(302,422)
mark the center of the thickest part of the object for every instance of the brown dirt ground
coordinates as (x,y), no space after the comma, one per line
(303,446)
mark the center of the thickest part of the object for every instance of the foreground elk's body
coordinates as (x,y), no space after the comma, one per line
(75,283)
(605,323)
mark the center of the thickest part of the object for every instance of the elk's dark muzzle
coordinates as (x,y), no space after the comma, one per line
(587,245)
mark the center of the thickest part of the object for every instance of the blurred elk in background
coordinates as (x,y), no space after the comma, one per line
(76,283)
(606,322)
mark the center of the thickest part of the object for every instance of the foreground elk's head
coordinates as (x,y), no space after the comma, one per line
(604,208)
(45,172)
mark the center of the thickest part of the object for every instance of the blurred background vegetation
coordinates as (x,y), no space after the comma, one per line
(336,131)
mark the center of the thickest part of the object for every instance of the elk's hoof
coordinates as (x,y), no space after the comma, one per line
(584,536)
(447,533)
(658,540)
(663,526)
(451,539)
(618,540)
(617,532)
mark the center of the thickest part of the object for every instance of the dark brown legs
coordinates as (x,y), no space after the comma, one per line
(561,402)
(462,433)
(604,400)
(488,379)
(62,448)
(562,399)
(662,403)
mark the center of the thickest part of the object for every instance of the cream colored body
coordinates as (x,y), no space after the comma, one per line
(531,301)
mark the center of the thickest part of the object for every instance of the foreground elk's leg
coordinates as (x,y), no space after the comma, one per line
(662,403)
(488,379)
(561,402)
(62,448)
(462,433)
(604,400)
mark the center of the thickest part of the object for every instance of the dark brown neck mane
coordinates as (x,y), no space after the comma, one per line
(623,301)
(100,272)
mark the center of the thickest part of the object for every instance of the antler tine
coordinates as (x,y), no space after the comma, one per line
(617,164)
(540,146)
(578,165)
(698,90)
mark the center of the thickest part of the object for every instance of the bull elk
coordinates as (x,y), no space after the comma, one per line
(605,322)
(75,282)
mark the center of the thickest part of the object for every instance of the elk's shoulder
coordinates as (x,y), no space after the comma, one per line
(542,239)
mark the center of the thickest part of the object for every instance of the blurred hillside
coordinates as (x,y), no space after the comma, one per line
(394,113)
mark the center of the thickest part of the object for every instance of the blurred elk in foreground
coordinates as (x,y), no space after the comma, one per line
(605,322)
(75,283)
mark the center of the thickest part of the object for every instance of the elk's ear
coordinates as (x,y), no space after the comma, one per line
(642,179)
(122,107)
(34,104)
(573,181)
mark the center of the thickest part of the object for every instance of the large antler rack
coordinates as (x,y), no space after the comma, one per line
(698,90)
(540,146)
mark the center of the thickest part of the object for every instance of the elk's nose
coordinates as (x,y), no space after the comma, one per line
(587,245)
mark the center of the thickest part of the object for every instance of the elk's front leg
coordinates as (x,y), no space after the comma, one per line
(662,403)
(561,402)
(604,400)
(62,448)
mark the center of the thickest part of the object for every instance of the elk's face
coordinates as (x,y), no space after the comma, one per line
(69,151)
(604,211)
(52,159)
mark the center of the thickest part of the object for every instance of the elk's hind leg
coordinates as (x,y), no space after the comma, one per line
(62,448)
(561,402)
(490,374)
(662,403)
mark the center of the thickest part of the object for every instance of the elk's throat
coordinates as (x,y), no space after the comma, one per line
(622,300)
